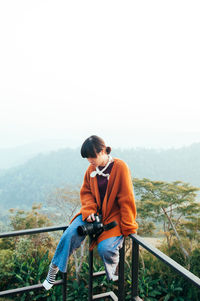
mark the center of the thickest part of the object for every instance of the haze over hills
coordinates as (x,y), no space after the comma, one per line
(16,155)
(31,182)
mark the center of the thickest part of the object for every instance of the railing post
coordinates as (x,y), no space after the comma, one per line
(90,292)
(121,294)
(64,286)
(135,268)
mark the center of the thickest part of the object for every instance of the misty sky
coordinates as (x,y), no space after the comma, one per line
(69,69)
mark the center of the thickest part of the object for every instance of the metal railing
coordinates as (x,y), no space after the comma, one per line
(136,242)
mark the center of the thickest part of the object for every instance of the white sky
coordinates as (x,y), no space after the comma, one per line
(74,68)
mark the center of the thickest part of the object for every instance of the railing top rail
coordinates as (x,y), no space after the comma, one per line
(33,231)
(166,259)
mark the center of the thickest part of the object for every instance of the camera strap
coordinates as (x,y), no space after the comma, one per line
(95,237)
(99,210)
(105,228)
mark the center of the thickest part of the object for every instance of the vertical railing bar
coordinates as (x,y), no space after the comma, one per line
(90,288)
(135,268)
(64,286)
(121,293)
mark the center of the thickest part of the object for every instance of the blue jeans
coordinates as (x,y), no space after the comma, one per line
(108,249)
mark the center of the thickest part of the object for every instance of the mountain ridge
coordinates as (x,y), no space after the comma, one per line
(42,174)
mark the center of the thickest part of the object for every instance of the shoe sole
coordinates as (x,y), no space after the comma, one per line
(47,285)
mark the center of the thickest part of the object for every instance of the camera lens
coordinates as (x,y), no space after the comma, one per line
(90,228)
(82,230)
(86,229)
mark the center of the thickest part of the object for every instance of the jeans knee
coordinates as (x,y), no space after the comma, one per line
(103,249)
(69,234)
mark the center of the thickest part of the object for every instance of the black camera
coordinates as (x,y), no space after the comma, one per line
(95,227)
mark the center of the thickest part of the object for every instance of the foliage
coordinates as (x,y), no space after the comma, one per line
(170,280)
(24,259)
(173,204)
(21,219)
(156,281)
(6,267)
(66,203)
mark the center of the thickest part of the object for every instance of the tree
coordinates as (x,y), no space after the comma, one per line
(24,260)
(65,202)
(173,204)
(20,220)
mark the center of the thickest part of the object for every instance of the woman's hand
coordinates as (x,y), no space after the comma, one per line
(90,218)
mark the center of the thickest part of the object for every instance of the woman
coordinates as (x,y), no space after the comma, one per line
(107,190)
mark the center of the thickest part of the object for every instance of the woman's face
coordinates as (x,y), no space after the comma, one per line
(100,160)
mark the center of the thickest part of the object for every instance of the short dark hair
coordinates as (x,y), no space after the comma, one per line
(92,146)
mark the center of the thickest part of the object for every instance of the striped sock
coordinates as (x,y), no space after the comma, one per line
(51,277)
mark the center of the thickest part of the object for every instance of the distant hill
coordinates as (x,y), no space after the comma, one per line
(18,155)
(170,165)
(12,157)
(32,181)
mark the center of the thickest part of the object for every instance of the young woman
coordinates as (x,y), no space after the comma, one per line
(107,190)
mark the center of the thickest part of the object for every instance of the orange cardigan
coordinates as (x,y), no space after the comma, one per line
(118,203)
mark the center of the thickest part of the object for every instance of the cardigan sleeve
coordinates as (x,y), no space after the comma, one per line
(88,202)
(126,201)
